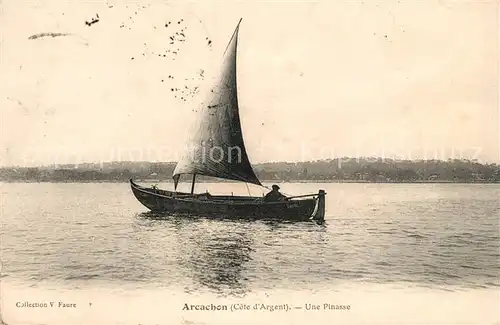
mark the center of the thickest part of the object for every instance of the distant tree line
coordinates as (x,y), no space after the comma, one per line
(331,170)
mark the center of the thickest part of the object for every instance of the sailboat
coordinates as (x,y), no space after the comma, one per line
(216,149)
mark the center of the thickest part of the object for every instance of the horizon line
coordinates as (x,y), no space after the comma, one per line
(345,158)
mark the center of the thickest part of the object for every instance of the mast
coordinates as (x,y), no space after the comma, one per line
(192,184)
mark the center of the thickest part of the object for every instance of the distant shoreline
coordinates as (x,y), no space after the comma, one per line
(321,171)
(152,181)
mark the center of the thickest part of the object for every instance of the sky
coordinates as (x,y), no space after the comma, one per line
(402,79)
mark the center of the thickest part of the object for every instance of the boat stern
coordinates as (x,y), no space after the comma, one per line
(319,210)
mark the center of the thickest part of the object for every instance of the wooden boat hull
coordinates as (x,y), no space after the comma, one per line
(178,203)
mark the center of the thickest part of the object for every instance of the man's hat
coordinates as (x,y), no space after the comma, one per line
(276,187)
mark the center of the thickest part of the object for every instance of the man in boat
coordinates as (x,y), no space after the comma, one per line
(274,195)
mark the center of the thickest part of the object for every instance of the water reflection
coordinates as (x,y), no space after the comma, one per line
(213,253)
(219,261)
(222,256)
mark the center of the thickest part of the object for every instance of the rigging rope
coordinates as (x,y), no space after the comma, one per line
(248,189)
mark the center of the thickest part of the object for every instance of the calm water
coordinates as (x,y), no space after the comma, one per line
(420,235)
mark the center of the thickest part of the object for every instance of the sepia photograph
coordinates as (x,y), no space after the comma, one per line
(249,162)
